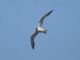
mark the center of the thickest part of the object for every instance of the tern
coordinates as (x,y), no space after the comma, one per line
(39,29)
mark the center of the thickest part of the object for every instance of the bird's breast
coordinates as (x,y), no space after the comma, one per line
(41,29)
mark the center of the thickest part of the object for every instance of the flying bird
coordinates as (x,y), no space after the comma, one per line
(39,29)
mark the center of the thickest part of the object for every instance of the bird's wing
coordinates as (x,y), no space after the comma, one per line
(42,18)
(32,38)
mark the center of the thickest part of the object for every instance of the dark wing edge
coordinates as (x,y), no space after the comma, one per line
(42,18)
(32,39)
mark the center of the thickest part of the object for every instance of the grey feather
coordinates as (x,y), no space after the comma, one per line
(42,18)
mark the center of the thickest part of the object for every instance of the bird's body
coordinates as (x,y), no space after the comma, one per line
(39,29)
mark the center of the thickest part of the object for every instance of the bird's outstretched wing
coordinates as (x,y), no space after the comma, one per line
(32,38)
(42,18)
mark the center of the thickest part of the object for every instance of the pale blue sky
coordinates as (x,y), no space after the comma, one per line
(19,18)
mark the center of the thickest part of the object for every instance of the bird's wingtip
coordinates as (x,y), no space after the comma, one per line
(51,10)
(32,47)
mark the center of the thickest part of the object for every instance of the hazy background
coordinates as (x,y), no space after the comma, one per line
(19,18)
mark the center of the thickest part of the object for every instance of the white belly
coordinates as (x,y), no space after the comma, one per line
(41,29)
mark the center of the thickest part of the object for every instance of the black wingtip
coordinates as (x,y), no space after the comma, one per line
(50,11)
(33,47)
(33,44)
